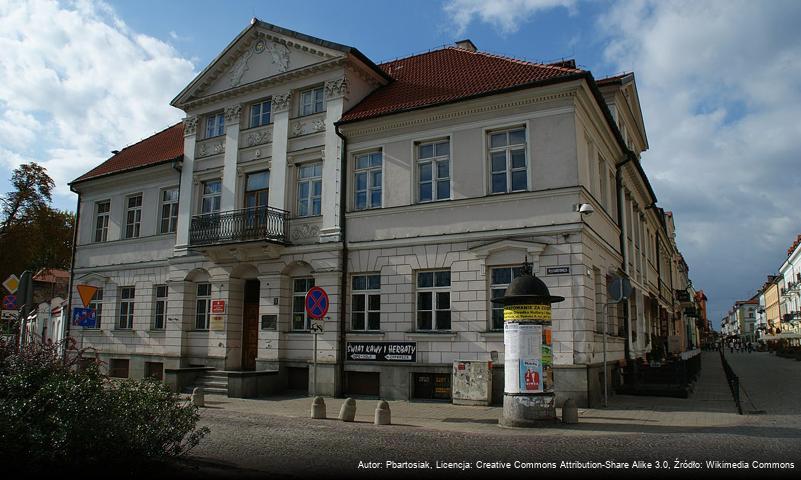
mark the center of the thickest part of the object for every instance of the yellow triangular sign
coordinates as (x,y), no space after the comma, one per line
(86,292)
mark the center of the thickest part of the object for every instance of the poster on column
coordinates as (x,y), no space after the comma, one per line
(523,347)
(530,376)
(547,360)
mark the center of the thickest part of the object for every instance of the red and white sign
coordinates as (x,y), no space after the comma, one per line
(218,306)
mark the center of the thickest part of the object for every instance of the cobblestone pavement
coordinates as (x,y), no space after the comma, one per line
(275,436)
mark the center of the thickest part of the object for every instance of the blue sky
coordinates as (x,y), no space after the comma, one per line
(719,84)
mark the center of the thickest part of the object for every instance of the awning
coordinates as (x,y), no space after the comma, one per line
(781,336)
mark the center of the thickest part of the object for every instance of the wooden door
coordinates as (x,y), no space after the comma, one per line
(250,335)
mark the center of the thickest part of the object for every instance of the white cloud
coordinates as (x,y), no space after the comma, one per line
(720,88)
(504,15)
(77,82)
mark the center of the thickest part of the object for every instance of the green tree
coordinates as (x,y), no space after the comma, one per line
(33,235)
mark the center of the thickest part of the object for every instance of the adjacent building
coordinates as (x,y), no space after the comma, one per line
(410,191)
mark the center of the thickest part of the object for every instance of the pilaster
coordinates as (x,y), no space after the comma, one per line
(335,94)
(186,189)
(232,116)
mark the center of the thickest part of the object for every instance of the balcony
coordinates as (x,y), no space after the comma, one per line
(249,224)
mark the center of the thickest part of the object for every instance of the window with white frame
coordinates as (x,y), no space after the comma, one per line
(434,300)
(126,308)
(169,210)
(260,113)
(367,181)
(133,216)
(508,165)
(310,189)
(433,171)
(300,286)
(312,101)
(500,278)
(366,302)
(202,306)
(215,125)
(96,304)
(102,213)
(159,307)
(212,196)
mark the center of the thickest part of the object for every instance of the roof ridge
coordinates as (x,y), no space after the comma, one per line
(146,138)
(517,60)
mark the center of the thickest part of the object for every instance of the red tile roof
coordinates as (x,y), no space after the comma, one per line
(448,75)
(165,145)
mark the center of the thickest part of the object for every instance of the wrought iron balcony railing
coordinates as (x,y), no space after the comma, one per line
(259,223)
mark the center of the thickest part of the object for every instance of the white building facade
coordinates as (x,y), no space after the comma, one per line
(302,164)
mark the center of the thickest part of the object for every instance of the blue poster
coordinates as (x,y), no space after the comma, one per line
(83,317)
(530,376)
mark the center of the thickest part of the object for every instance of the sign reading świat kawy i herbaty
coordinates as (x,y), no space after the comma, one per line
(383,351)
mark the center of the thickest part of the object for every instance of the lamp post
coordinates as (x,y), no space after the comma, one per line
(528,396)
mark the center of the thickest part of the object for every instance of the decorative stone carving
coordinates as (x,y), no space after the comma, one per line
(318,125)
(232,113)
(297,129)
(239,68)
(336,88)
(259,137)
(305,231)
(207,149)
(280,56)
(190,126)
(281,101)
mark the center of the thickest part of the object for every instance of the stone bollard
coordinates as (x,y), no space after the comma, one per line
(348,411)
(318,408)
(198,398)
(382,413)
(569,412)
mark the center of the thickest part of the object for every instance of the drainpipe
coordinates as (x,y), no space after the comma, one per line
(72,274)
(343,197)
(621,198)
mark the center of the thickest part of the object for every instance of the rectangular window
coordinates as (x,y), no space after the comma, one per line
(202,306)
(311,101)
(102,212)
(118,368)
(260,113)
(434,300)
(500,278)
(215,125)
(169,210)
(97,305)
(160,307)
(366,302)
(212,195)
(133,216)
(507,157)
(126,308)
(433,171)
(310,189)
(300,321)
(257,187)
(367,181)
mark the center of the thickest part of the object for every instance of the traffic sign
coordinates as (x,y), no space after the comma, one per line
(86,292)
(83,317)
(10,302)
(11,284)
(316,303)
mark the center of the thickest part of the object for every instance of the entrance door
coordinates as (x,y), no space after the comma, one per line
(250,325)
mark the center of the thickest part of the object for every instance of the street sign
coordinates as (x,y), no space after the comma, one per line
(83,317)
(11,284)
(86,292)
(316,303)
(10,302)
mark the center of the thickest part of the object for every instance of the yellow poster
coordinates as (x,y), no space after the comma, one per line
(513,313)
(217,323)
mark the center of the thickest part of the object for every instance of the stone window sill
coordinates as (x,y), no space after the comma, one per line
(443,334)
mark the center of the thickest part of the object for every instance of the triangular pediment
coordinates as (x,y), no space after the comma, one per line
(260,52)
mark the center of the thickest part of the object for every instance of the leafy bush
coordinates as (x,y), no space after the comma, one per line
(56,413)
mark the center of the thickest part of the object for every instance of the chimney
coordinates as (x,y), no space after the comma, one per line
(466,44)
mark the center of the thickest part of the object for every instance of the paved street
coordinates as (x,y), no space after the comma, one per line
(769,383)
(276,436)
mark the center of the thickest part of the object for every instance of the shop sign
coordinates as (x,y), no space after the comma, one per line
(382,351)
